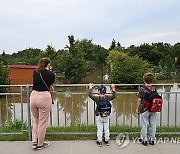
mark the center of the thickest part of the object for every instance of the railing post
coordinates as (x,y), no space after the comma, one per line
(29,113)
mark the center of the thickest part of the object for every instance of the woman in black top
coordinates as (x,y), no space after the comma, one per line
(41,101)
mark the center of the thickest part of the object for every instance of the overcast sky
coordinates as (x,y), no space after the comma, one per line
(37,23)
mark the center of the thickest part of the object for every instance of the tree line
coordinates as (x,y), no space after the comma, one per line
(80,57)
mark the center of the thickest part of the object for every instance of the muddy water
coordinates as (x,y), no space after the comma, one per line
(73,106)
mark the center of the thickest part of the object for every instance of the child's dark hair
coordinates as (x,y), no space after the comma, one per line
(148,78)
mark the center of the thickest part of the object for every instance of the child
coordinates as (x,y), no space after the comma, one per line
(102,121)
(146,116)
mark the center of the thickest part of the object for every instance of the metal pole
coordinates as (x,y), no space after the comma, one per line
(175,111)
(116,113)
(7,116)
(79,112)
(22,114)
(29,113)
(58,112)
(65,116)
(131,112)
(0,118)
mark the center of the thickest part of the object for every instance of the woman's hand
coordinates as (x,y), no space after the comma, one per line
(51,88)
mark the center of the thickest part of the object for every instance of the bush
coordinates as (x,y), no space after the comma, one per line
(125,69)
(3,78)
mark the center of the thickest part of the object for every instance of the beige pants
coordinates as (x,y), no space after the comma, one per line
(40,103)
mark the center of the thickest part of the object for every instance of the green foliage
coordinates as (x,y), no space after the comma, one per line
(14,126)
(176,55)
(3,77)
(115,46)
(81,57)
(72,67)
(28,56)
(125,69)
(151,53)
(87,47)
(72,63)
(166,66)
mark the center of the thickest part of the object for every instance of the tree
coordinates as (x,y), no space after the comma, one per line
(113,45)
(87,47)
(176,55)
(125,69)
(151,53)
(72,67)
(28,56)
(3,77)
(72,63)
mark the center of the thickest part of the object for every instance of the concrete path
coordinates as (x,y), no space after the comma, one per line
(88,147)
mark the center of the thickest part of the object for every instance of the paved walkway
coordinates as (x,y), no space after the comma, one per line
(88,147)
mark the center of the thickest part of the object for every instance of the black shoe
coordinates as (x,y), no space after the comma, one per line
(34,146)
(99,143)
(140,140)
(151,142)
(45,144)
(144,143)
(106,142)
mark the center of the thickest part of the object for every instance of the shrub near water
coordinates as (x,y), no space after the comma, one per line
(125,69)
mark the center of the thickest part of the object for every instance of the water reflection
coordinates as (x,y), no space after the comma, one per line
(125,104)
(73,105)
(6,107)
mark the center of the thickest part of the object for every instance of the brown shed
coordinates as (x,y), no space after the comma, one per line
(21,74)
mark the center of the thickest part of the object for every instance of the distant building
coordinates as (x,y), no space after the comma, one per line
(21,74)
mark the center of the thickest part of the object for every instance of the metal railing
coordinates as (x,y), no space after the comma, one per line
(74,107)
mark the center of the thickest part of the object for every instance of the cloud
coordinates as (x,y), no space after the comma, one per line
(167,37)
(40,22)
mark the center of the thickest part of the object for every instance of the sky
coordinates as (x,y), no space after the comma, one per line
(38,23)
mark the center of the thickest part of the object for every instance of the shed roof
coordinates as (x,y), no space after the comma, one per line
(23,66)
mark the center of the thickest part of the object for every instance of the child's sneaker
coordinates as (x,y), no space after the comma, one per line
(45,144)
(144,143)
(34,146)
(106,142)
(99,143)
(151,142)
(140,140)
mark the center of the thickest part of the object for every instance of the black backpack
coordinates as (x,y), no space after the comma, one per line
(104,107)
(153,101)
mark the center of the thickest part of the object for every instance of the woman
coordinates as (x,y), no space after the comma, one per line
(41,102)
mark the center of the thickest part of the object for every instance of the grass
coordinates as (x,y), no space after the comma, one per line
(66,132)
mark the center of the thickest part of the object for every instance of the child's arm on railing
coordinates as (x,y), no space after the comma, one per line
(93,97)
(113,89)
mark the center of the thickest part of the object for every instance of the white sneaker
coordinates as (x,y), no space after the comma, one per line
(34,146)
(45,144)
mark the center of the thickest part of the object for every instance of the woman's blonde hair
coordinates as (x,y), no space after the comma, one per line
(43,62)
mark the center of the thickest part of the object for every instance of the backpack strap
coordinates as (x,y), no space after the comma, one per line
(107,98)
(148,90)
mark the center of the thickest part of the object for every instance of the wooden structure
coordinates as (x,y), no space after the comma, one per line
(21,74)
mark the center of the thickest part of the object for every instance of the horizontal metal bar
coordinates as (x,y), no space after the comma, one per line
(10,94)
(114,133)
(11,133)
(80,85)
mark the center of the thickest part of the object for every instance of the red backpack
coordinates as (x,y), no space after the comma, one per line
(153,101)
